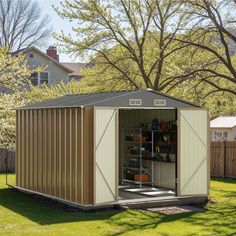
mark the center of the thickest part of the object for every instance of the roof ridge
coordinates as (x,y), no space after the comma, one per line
(116,91)
(105,99)
(173,97)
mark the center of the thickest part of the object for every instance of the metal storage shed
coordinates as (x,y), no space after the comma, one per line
(68,148)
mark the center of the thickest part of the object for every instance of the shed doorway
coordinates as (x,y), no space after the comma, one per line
(147,153)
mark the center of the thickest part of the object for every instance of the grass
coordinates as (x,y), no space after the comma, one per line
(24,215)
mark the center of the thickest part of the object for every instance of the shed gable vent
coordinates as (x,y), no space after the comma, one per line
(159,102)
(135,102)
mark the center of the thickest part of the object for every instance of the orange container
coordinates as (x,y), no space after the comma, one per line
(142,178)
(139,138)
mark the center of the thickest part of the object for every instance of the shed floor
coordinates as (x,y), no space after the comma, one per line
(137,192)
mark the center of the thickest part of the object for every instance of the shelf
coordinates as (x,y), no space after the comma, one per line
(136,155)
(136,168)
(167,144)
(131,141)
(137,182)
(159,131)
(152,130)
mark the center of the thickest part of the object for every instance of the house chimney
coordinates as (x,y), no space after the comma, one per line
(52,52)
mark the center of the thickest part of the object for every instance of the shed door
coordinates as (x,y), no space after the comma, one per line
(193,152)
(105,155)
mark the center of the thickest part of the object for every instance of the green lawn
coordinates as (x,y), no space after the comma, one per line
(24,215)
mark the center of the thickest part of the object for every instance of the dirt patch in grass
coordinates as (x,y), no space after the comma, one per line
(172,210)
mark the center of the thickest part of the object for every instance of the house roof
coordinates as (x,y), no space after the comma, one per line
(45,55)
(112,99)
(75,67)
(223,122)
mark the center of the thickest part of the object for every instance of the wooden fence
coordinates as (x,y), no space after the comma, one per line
(223,159)
(10,161)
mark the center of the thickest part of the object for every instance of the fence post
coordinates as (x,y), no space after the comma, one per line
(6,164)
(224,160)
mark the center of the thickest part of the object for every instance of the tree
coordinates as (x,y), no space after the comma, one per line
(7,119)
(9,102)
(7,123)
(14,70)
(220,103)
(22,24)
(128,27)
(104,77)
(212,30)
(39,93)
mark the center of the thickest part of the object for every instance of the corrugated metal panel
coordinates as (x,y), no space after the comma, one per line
(18,146)
(49,153)
(164,174)
(113,99)
(88,161)
(193,152)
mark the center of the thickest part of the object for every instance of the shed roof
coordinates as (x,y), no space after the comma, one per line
(111,99)
(224,122)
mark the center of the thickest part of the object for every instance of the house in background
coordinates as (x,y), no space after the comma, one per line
(54,73)
(76,68)
(223,128)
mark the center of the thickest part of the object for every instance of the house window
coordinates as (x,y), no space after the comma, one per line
(44,77)
(34,78)
(31,55)
(39,78)
(221,135)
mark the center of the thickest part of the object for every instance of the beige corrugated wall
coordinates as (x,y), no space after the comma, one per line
(49,150)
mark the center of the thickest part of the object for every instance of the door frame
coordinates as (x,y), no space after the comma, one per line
(152,108)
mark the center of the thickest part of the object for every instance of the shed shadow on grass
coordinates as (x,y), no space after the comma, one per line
(44,211)
(217,219)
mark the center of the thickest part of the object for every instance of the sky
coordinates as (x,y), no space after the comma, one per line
(58,24)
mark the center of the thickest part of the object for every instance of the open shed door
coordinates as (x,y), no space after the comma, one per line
(192,152)
(105,130)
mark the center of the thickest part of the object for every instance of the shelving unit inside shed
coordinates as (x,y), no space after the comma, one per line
(137,165)
(148,155)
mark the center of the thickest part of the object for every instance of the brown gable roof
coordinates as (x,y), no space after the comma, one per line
(75,67)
